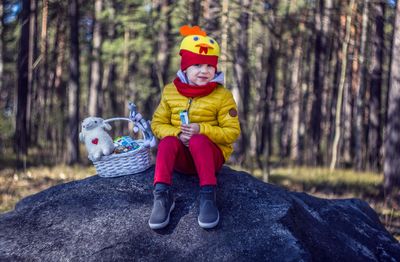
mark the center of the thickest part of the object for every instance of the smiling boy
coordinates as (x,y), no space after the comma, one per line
(201,146)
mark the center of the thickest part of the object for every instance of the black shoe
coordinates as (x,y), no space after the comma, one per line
(209,215)
(162,206)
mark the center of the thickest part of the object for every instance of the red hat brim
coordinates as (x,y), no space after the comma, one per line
(190,58)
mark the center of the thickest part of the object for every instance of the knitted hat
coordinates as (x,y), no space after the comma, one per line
(197,48)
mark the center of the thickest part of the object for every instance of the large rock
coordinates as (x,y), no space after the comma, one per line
(105,219)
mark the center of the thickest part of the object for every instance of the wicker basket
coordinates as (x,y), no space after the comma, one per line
(128,163)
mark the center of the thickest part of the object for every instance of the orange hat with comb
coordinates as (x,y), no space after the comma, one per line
(197,48)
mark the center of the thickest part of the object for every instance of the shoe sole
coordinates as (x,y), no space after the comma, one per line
(166,222)
(208,225)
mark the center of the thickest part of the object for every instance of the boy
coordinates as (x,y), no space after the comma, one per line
(197,124)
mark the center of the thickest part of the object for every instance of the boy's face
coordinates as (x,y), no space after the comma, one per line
(200,74)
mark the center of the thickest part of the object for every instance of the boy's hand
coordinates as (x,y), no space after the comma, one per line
(184,138)
(190,129)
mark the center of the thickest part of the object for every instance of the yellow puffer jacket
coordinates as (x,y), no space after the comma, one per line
(215,113)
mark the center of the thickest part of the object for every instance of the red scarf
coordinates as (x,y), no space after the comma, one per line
(194,91)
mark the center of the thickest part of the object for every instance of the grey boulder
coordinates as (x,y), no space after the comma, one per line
(105,219)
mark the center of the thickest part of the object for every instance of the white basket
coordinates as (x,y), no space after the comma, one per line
(128,163)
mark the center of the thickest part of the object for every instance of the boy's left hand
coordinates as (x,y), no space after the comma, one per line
(190,129)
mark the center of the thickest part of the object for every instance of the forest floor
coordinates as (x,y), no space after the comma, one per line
(14,185)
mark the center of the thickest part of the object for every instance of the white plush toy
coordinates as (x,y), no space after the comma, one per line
(98,142)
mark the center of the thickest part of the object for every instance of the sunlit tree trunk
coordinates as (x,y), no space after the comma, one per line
(392,138)
(297,94)
(73,85)
(342,80)
(225,24)
(109,89)
(43,73)
(128,91)
(96,63)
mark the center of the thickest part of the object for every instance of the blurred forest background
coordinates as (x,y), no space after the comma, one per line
(317,82)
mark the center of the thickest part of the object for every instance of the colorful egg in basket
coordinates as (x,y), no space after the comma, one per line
(124,144)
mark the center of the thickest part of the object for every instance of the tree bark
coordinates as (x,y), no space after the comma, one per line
(242,77)
(316,111)
(43,73)
(195,6)
(212,10)
(360,96)
(33,116)
(265,103)
(286,108)
(73,85)
(21,137)
(96,63)
(297,94)
(376,72)
(161,52)
(335,147)
(392,140)
(225,24)
(1,47)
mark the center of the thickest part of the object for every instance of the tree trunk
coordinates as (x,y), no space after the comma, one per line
(225,24)
(296,89)
(33,116)
(73,85)
(128,91)
(316,111)
(58,57)
(242,78)
(109,85)
(392,140)
(96,63)
(376,72)
(342,80)
(212,10)
(161,52)
(195,6)
(264,138)
(286,108)
(21,137)
(1,47)
(165,41)
(43,73)
(306,102)
(360,96)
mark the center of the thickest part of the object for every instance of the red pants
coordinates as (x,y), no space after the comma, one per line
(202,157)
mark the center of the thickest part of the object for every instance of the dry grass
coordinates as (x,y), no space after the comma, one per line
(15,185)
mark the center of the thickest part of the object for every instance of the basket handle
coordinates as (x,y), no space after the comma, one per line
(147,135)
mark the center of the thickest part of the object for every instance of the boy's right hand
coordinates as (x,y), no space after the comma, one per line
(184,138)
